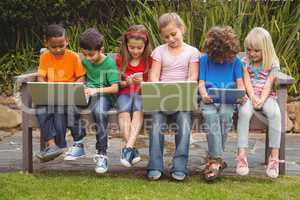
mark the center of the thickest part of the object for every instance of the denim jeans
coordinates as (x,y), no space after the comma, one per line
(53,122)
(272,112)
(182,141)
(129,103)
(100,105)
(217,123)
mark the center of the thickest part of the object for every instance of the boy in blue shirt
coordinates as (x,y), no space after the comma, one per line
(219,68)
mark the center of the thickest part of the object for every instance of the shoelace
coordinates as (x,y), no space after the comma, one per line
(274,164)
(73,148)
(99,158)
(241,162)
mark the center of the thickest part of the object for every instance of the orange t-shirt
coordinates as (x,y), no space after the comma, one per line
(67,68)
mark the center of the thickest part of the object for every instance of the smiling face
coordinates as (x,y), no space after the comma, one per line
(255,55)
(135,47)
(57,45)
(172,35)
(93,56)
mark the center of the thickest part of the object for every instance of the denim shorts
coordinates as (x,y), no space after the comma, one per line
(129,102)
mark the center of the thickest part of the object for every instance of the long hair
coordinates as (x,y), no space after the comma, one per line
(260,38)
(221,44)
(137,32)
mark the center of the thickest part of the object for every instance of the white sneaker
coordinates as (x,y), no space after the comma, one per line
(273,168)
(242,168)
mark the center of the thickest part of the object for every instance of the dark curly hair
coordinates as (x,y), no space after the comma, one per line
(54,30)
(91,39)
(221,44)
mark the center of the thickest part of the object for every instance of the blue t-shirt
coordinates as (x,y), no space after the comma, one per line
(220,75)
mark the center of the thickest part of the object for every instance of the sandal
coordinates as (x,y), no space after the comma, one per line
(210,173)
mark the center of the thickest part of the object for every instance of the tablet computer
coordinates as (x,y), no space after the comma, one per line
(58,93)
(226,95)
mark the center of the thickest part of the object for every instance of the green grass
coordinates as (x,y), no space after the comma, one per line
(87,185)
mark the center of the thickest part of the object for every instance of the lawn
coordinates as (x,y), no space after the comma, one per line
(86,185)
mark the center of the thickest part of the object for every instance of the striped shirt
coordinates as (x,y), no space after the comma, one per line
(259,77)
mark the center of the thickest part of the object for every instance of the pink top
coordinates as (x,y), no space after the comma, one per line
(175,67)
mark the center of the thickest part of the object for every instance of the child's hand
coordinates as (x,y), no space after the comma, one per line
(137,80)
(129,80)
(256,102)
(90,91)
(259,104)
(242,100)
(124,84)
(207,99)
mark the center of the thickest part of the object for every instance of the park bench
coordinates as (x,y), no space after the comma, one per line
(30,121)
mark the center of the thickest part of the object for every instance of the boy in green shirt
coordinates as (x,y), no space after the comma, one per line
(102,79)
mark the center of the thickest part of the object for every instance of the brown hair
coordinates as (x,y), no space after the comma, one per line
(221,44)
(167,18)
(138,32)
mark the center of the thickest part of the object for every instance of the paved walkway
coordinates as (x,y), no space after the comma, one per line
(11,154)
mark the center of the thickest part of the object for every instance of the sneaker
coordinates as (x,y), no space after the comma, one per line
(273,168)
(136,156)
(178,176)
(101,163)
(49,153)
(242,168)
(75,152)
(127,156)
(154,174)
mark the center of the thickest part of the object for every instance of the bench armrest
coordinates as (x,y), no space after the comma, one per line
(24,78)
(284,79)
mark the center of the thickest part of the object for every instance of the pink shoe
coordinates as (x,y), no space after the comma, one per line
(273,168)
(242,168)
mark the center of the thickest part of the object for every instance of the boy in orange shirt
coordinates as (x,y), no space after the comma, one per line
(59,64)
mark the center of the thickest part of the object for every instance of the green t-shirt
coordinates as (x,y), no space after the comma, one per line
(101,75)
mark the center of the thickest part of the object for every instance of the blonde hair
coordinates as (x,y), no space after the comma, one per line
(138,32)
(167,18)
(260,38)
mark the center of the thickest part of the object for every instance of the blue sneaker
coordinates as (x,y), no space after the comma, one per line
(178,176)
(49,153)
(127,156)
(154,174)
(75,152)
(101,163)
(136,156)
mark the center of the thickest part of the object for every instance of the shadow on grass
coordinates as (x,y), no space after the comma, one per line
(140,174)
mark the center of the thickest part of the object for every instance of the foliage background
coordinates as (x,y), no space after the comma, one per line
(23,22)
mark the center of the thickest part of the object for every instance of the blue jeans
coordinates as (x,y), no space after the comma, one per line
(182,140)
(53,122)
(100,105)
(217,123)
(131,102)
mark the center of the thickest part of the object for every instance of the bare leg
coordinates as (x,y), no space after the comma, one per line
(135,127)
(275,153)
(124,123)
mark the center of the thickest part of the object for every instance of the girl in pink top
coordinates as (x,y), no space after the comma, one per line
(133,63)
(172,61)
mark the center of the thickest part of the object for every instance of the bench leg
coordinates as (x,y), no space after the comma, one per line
(27,150)
(42,142)
(267,149)
(282,99)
